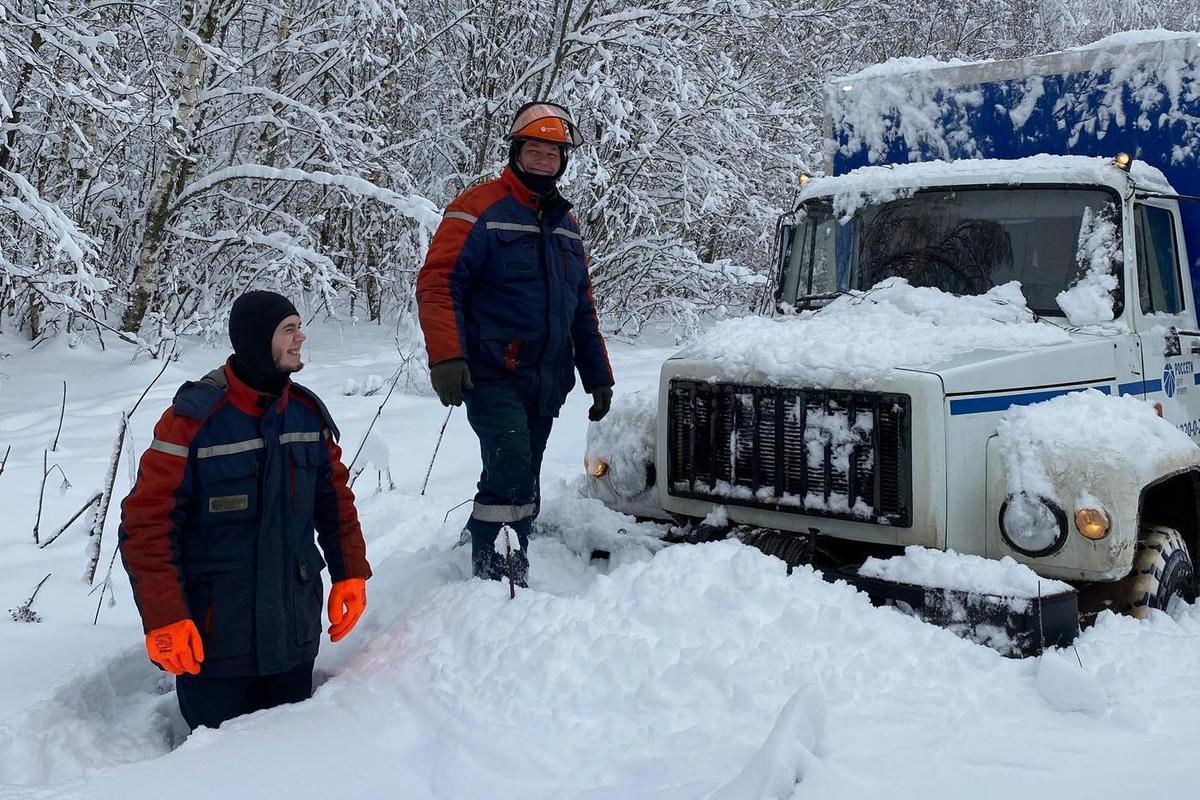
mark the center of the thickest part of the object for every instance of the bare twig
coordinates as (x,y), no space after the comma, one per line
(4,461)
(166,362)
(96,532)
(452,510)
(95,498)
(436,447)
(37,522)
(62,412)
(25,612)
(105,586)
(506,532)
(378,412)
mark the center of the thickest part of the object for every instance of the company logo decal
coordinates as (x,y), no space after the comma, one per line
(1169,380)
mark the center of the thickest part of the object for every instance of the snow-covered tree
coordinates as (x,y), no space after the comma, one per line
(158,158)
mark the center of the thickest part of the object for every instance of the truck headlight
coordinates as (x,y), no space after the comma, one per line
(1032,525)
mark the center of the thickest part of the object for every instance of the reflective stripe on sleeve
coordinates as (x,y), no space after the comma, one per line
(168,448)
(464,216)
(502,513)
(231,448)
(568,234)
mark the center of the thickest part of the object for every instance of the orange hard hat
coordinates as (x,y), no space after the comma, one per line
(545,122)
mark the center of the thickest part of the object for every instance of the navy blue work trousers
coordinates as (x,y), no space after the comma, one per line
(512,439)
(211,701)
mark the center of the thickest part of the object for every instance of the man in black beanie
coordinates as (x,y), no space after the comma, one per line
(265,352)
(217,534)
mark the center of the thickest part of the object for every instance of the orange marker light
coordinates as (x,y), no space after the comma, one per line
(1092,523)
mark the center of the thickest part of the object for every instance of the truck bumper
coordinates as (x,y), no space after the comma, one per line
(1013,626)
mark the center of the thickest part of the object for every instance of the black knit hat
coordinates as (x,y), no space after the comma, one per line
(252,323)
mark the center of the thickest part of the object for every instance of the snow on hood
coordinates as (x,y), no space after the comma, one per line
(882,184)
(861,337)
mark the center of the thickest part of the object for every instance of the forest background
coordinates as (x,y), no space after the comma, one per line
(159,157)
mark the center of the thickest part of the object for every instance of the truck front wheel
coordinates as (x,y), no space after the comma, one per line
(1162,572)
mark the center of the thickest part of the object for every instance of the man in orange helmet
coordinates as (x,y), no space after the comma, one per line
(506,306)
(217,534)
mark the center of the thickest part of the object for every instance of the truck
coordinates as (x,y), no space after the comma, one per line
(1000,259)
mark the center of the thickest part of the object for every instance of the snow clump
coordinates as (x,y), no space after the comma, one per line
(1099,255)
(1085,438)
(625,440)
(947,569)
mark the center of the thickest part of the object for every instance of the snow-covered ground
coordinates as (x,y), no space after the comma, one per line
(677,672)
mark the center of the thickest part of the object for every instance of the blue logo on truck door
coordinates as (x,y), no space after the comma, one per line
(1169,380)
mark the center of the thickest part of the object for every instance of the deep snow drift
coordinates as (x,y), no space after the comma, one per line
(659,672)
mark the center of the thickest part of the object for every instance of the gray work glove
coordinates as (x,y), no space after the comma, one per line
(449,379)
(601,401)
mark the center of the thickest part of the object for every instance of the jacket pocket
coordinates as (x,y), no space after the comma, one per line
(304,461)
(228,487)
(222,606)
(308,595)
(572,255)
(519,254)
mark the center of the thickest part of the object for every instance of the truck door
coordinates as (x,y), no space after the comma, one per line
(1165,317)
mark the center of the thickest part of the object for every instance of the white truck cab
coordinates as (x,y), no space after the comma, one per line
(917,459)
(1012,194)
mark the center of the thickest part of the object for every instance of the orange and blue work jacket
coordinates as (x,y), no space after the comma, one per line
(219,526)
(505,286)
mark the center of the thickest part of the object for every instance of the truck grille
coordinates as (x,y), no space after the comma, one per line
(824,453)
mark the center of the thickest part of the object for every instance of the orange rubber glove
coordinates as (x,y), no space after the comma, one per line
(347,601)
(176,647)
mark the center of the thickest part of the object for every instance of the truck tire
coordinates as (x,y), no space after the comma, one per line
(1162,572)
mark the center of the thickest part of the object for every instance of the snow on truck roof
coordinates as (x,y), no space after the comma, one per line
(1106,52)
(881,184)
(1137,92)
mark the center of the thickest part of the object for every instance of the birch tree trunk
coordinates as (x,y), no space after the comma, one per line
(178,164)
(8,143)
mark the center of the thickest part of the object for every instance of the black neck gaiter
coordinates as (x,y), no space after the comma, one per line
(258,377)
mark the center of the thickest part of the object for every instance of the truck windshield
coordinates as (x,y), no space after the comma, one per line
(962,241)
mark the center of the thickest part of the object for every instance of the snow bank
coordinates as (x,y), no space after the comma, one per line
(658,673)
(965,573)
(1066,686)
(863,336)
(787,754)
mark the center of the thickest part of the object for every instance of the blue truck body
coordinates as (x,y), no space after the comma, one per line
(1138,94)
